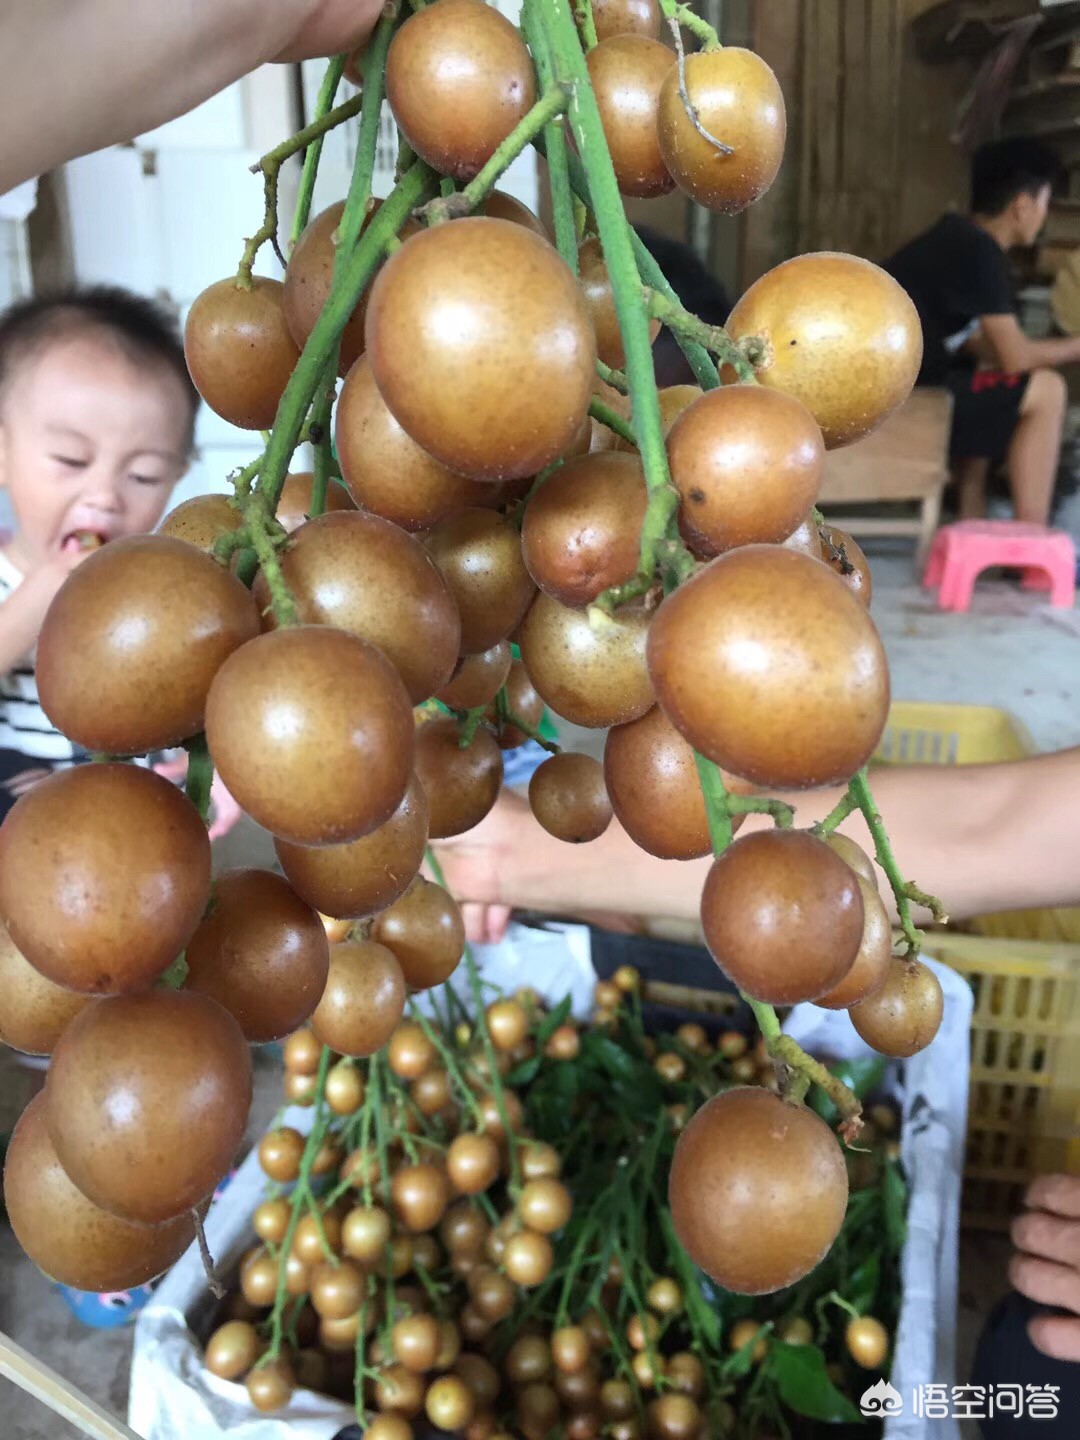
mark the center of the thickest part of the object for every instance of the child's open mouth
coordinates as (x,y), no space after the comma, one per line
(82,540)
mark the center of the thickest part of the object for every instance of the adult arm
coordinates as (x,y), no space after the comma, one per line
(76,75)
(1014,351)
(982,837)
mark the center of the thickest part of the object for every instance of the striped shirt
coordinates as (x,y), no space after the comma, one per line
(24,726)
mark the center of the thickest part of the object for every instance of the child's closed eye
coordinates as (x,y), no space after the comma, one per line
(70,461)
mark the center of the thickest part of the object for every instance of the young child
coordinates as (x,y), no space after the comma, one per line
(97,419)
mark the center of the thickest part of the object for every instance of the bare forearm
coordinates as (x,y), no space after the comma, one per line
(76,75)
(982,838)
(1031,354)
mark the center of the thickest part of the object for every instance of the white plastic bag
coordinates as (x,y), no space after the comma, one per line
(174,1398)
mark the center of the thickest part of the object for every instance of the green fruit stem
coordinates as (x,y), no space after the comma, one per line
(693,22)
(313,150)
(551,104)
(903,890)
(612,419)
(585,20)
(270,166)
(555,146)
(713,338)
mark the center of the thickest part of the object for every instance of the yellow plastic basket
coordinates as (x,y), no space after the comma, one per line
(1024,969)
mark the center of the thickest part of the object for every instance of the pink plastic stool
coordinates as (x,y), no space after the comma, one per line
(961,551)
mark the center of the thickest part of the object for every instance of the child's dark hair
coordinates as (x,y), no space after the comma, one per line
(143,331)
(1003,169)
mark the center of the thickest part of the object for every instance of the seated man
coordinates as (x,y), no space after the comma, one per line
(1009,403)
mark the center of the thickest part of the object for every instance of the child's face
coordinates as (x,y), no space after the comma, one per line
(91,445)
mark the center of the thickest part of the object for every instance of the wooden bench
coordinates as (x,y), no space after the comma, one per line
(905,459)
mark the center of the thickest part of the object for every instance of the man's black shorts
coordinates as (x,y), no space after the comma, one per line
(986,411)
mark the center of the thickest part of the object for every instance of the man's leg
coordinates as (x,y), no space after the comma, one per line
(971,476)
(1035,446)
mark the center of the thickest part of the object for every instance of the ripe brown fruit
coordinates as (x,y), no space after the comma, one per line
(590,677)
(570,1349)
(500,205)
(419,1195)
(73,1240)
(841,336)
(232,1349)
(239,351)
(472,1163)
(415,1342)
(627,74)
(747,464)
(544,1205)
(432,1093)
(674,1417)
(386,471)
(425,931)
(582,528)
(461,785)
(626,17)
(481,345)
(867,1342)
(301,1053)
(311,730)
(148,1096)
(366,875)
(478,678)
(271,1220)
(458,79)
(654,789)
(35,1011)
(261,953)
(133,639)
(294,506)
(595,284)
(528,1258)
(344,1088)
(449,1403)
(758,1190)
(307,1240)
(870,968)
(337,1290)
(363,1000)
(307,283)
(738,99)
(782,915)
(769,667)
(479,555)
(845,557)
(280,1153)
(365,1233)
(507,1023)
(852,854)
(389,1427)
(411,1053)
(568,797)
(202,520)
(270,1386)
(365,575)
(104,875)
(903,1016)
(464,1231)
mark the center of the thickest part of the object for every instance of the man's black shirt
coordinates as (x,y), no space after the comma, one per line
(955,272)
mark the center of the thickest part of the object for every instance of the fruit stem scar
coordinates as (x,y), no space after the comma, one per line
(684,94)
(615,378)
(782,1047)
(904,893)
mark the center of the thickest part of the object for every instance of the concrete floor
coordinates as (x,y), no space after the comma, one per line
(1009,651)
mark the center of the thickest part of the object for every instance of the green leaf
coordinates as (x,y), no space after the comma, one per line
(706,1320)
(614,1059)
(738,1365)
(862,1286)
(804,1385)
(524,1073)
(551,1023)
(894,1202)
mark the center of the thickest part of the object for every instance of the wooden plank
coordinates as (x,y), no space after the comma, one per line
(769,231)
(854,140)
(829,208)
(810,79)
(45,1385)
